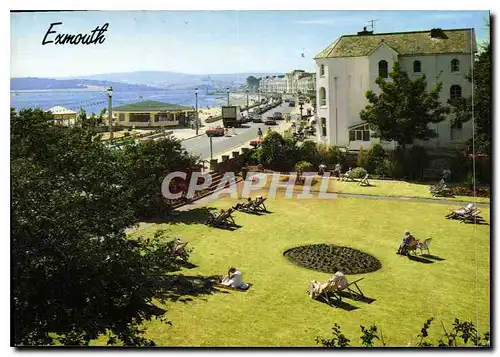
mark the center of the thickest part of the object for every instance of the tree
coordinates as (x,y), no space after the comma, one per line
(462,107)
(145,166)
(253,83)
(75,274)
(404,109)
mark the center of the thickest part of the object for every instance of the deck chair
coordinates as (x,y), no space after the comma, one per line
(334,288)
(347,177)
(364,181)
(259,204)
(471,216)
(244,206)
(224,219)
(425,245)
(438,186)
(461,211)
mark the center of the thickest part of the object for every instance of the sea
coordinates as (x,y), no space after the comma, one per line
(93,101)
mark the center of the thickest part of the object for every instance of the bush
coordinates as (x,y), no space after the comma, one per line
(376,157)
(303,166)
(362,159)
(358,172)
(461,334)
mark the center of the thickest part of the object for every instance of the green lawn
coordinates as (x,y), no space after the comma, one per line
(387,188)
(276,311)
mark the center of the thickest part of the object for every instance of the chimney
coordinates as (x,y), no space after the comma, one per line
(438,33)
(365,32)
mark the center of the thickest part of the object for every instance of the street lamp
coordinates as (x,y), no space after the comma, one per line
(227,91)
(248,105)
(110,113)
(301,108)
(196,110)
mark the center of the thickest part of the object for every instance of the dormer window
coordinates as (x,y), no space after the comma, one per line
(417,67)
(383,69)
(455,65)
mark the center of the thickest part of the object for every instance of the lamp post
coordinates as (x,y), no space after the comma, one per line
(227,91)
(248,105)
(196,110)
(110,112)
(301,108)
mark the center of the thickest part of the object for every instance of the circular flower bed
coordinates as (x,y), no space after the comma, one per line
(324,258)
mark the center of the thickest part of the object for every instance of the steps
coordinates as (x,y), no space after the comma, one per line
(216,179)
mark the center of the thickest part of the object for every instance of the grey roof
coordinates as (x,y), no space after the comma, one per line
(405,43)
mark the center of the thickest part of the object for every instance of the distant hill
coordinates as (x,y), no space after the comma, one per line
(32,83)
(175,80)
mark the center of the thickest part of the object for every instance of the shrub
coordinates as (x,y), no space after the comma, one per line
(461,334)
(362,159)
(303,166)
(358,172)
(376,157)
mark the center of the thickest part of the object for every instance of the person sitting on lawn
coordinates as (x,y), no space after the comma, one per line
(233,279)
(408,242)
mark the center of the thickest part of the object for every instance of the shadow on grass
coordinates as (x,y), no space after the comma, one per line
(420,259)
(182,288)
(193,216)
(330,300)
(356,297)
(434,257)
(480,222)
(231,227)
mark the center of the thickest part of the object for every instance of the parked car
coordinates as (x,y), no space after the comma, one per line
(270,121)
(256,118)
(291,104)
(278,115)
(218,131)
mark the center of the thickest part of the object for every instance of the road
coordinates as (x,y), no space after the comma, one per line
(201,145)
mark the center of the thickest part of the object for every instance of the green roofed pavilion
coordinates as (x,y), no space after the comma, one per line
(151,105)
(150,114)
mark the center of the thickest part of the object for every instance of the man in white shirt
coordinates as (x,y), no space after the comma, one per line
(233,279)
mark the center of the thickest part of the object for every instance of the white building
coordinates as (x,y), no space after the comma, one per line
(349,67)
(63,116)
(291,83)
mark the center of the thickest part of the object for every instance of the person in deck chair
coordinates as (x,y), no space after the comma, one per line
(408,240)
(241,205)
(233,279)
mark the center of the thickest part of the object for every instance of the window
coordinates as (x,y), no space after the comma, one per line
(382,69)
(456,131)
(322,96)
(139,117)
(417,67)
(323,126)
(455,92)
(361,133)
(455,65)
(164,117)
(322,70)
(121,117)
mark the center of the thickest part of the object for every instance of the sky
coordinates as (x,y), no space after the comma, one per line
(205,42)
